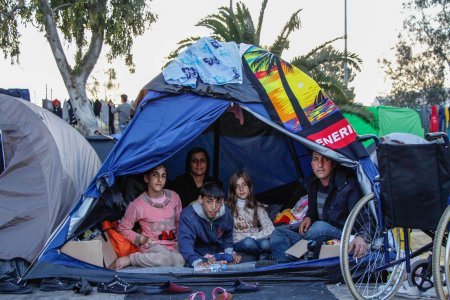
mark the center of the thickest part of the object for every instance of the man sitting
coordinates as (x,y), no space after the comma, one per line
(332,194)
(205,231)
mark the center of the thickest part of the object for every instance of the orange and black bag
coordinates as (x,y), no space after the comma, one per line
(121,245)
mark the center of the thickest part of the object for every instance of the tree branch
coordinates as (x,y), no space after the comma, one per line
(55,43)
(61,7)
(10,14)
(91,56)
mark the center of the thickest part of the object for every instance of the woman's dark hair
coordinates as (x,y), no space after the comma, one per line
(189,158)
(212,189)
(250,202)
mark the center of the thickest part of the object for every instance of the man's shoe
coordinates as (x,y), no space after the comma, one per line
(116,286)
(55,284)
(407,291)
(431,293)
(12,287)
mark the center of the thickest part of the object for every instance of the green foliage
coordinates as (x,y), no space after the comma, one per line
(115,22)
(421,65)
(12,13)
(429,23)
(323,63)
(358,110)
(236,24)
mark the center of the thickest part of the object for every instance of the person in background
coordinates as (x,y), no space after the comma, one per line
(206,229)
(157,211)
(189,184)
(332,194)
(112,129)
(252,226)
(124,112)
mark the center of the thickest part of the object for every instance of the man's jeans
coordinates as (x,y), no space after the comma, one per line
(123,126)
(283,238)
(251,246)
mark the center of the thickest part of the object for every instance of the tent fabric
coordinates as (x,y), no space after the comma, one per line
(48,165)
(102,144)
(169,121)
(296,101)
(361,126)
(390,119)
(164,128)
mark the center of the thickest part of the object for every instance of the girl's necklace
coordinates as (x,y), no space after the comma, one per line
(157,205)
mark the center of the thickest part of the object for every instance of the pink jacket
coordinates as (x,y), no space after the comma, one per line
(160,224)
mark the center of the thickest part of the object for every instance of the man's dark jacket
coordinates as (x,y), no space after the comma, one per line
(343,194)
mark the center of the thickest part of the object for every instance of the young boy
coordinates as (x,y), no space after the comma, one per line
(206,229)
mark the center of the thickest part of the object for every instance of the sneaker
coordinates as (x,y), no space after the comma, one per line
(116,286)
(13,287)
(431,293)
(55,284)
(407,291)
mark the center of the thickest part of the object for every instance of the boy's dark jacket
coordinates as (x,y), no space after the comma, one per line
(344,193)
(197,235)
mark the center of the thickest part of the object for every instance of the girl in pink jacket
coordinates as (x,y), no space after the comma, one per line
(157,210)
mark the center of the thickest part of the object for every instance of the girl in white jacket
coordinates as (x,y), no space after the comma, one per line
(252,226)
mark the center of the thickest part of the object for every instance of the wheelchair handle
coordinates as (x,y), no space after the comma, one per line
(365,137)
(431,136)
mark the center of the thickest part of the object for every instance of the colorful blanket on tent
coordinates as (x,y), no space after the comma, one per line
(296,101)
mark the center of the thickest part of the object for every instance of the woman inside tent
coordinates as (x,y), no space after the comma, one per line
(189,184)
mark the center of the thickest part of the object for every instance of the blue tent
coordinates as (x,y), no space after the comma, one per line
(232,125)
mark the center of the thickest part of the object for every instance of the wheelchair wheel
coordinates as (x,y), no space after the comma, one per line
(441,258)
(369,277)
(421,275)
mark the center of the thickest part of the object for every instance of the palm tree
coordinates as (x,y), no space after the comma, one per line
(238,26)
(323,63)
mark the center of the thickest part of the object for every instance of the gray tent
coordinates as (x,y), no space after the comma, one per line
(48,165)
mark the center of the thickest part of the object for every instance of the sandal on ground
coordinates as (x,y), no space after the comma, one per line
(240,286)
(167,288)
(194,295)
(221,294)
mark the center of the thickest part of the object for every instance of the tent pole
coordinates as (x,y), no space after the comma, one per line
(216,150)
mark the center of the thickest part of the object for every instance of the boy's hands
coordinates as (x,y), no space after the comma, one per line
(236,258)
(304,226)
(143,240)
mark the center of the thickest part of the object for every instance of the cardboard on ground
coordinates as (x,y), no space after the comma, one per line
(298,249)
(301,248)
(97,252)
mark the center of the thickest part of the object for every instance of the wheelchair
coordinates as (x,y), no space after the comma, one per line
(410,191)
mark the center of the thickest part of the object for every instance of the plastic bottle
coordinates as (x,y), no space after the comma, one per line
(213,268)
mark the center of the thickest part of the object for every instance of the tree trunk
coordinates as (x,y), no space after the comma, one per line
(75,82)
(86,121)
